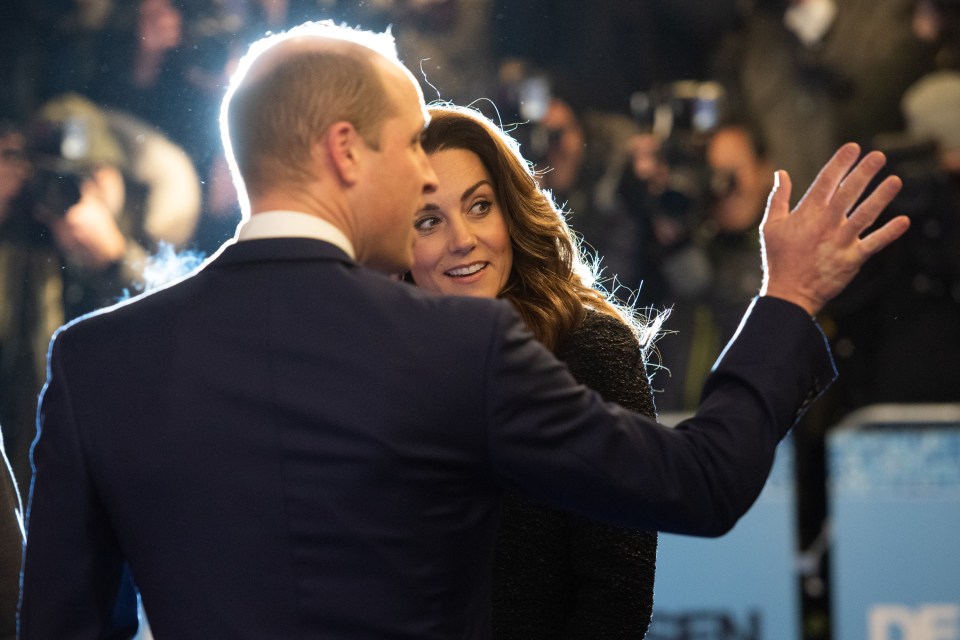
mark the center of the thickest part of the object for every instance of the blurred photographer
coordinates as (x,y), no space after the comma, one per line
(77,192)
(667,187)
(698,185)
(579,156)
(898,326)
(85,197)
(27,263)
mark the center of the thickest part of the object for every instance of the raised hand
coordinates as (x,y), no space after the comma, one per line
(813,252)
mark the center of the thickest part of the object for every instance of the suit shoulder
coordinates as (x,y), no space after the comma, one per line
(133,314)
(478,308)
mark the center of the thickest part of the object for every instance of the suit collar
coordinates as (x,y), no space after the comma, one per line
(277,250)
(293,224)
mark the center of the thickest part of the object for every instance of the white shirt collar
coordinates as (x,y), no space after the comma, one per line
(293,224)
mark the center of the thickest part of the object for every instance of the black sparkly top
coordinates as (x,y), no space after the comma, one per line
(558,575)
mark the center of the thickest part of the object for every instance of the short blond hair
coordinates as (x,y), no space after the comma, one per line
(270,121)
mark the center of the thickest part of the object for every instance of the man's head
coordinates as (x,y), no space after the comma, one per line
(329,113)
(291,87)
(930,114)
(566,147)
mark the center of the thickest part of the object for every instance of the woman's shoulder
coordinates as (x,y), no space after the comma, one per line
(604,354)
(600,330)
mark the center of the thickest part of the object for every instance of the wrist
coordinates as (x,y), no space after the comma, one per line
(808,303)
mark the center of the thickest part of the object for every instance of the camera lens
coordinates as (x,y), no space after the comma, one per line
(55,192)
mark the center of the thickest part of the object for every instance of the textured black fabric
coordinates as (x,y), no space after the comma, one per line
(558,575)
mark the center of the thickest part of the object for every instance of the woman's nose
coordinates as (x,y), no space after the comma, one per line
(462,238)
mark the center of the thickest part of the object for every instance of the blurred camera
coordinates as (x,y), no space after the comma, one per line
(523,97)
(682,109)
(926,189)
(59,153)
(682,116)
(929,196)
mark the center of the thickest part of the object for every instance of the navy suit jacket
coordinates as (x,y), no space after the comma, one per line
(289,445)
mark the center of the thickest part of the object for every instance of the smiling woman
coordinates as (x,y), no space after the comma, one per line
(462,245)
(489,230)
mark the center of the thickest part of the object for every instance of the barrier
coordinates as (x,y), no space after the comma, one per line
(894,499)
(741,586)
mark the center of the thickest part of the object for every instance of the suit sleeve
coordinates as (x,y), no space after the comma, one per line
(562,444)
(73,575)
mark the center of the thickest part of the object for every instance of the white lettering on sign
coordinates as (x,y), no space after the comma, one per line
(926,622)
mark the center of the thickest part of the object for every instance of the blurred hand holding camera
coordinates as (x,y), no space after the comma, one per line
(813,252)
(87,233)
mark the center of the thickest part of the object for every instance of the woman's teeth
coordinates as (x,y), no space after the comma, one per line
(466,271)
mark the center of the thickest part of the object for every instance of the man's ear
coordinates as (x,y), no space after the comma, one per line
(343,147)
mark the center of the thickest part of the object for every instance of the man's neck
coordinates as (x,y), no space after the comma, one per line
(327,207)
(310,200)
(293,224)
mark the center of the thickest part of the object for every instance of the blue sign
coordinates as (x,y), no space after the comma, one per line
(741,586)
(895,502)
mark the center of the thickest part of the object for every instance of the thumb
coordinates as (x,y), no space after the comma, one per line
(778,204)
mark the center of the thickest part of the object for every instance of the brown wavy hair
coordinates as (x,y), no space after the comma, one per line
(550,283)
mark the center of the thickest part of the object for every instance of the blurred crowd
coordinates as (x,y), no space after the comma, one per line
(656,124)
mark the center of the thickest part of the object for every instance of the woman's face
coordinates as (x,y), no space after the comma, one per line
(462,246)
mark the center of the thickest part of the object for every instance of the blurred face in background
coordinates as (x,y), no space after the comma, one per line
(565,151)
(160,25)
(462,244)
(14,168)
(748,180)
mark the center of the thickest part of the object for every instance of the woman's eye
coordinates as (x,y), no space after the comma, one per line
(481,207)
(426,223)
